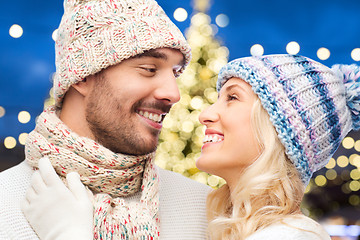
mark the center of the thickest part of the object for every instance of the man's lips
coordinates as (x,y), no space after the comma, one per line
(152,117)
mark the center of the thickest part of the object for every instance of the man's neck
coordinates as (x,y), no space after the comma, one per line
(73,113)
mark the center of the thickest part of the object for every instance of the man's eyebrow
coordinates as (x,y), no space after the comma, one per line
(152,53)
(159,55)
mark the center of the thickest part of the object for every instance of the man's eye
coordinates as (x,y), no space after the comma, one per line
(152,70)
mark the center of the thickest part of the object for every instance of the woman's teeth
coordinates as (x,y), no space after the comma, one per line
(212,138)
(152,116)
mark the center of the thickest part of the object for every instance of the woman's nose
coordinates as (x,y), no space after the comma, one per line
(209,115)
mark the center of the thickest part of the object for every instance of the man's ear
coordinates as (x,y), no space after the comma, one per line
(84,87)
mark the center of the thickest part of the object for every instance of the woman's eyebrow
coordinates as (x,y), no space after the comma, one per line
(228,88)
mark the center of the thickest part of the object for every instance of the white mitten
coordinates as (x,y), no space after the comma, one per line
(55,211)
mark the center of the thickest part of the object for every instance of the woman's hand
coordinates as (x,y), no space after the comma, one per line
(55,211)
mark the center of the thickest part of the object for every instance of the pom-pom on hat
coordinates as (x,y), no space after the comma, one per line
(95,34)
(311,106)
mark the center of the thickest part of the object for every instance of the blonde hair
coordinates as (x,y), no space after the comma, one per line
(267,189)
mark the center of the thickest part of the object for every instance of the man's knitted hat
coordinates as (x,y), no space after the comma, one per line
(311,106)
(95,34)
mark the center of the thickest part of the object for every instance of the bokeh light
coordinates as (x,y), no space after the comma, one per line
(257,50)
(2,111)
(293,48)
(16,31)
(348,143)
(180,14)
(354,200)
(331,174)
(331,164)
(22,138)
(9,142)
(354,186)
(323,53)
(320,180)
(342,161)
(355,174)
(355,54)
(222,20)
(24,117)
(54,35)
(357,145)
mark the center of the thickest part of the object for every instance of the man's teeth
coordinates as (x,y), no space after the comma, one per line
(152,116)
(212,138)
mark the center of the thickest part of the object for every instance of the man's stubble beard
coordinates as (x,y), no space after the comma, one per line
(112,126)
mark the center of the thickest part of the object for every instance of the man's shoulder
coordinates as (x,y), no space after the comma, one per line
(14,181)
(13,185)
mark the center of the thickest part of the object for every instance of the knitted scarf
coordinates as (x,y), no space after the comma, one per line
(110,176)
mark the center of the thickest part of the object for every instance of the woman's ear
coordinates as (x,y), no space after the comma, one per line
(84,87)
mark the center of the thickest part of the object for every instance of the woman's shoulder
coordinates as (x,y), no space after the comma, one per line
(296,227)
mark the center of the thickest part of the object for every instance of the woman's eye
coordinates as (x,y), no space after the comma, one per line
(232,97)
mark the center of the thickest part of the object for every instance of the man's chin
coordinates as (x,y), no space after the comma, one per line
(139,150)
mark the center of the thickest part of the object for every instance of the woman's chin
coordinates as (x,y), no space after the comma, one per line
(204,164)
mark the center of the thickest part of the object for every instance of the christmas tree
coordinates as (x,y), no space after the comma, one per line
(182,133)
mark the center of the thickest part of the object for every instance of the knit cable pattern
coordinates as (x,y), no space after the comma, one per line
(95,34)
(305,101)
(110,177)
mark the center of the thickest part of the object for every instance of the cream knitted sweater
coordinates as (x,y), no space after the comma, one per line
(298,227)
(182,205)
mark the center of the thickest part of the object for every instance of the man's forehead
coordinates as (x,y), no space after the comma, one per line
(160,53)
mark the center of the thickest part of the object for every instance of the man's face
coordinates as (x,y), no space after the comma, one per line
(128,102)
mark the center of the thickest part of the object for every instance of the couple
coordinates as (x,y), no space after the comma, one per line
(277,120)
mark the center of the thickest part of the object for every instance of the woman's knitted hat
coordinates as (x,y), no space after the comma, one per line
(95,34)
(311,106)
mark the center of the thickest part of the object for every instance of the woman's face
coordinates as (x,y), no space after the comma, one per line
(229,143)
